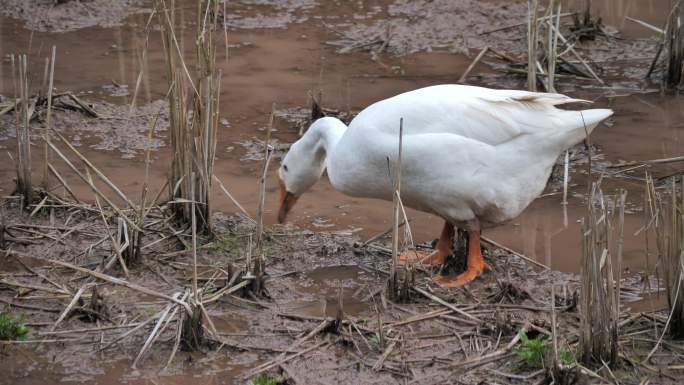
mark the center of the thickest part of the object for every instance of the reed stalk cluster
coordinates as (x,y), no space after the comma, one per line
(193,113)
(602,237)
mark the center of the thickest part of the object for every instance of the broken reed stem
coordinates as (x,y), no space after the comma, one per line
(587,12)
(89,182)
(599,311)
(472,65)
(48,120)
(143,59)
(115,244)
(107,278)
(622,194)
(574,52)
(268,152)
(553,44)
(232,199)
(554,333)
(672,257)
(532,39)
(192,334)
(24,186)
(674,43)
(255,263)
(195,293)
(392,283)
(566,176)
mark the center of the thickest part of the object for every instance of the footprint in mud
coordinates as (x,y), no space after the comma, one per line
(317,293)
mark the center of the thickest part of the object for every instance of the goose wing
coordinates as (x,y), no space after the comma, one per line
(482,114)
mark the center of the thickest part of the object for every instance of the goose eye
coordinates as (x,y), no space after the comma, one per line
(285,167)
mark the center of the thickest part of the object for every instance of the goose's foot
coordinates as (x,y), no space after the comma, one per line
(463,278)
(435,257)
(476,264)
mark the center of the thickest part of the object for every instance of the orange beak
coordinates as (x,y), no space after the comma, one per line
(287,200)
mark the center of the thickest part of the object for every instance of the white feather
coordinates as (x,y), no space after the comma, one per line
(469,152)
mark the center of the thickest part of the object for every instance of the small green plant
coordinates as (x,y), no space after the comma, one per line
(533,350)
(12,327)
(263,379)
(566,356)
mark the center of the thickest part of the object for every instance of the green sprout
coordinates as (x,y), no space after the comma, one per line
(533,351)
(263,379)
(12,327)
(536,351)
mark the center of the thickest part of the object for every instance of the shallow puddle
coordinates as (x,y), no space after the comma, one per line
(328,287)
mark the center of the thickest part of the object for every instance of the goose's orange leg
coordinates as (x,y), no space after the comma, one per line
(476,264)
(436,257)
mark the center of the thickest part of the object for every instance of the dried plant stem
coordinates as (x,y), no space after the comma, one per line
(67,310)
(115,245)
(599,311)
(110,279)
(532,40)
(24,185)
(472,65)
(62,181)
(674,44)
(99,173)
(193,137)
(392,282)
(143,58)
(232,199)
(553,44)
(566,177)
(48,120)
(91,185)
(268,152)
(195,292)
(574,52)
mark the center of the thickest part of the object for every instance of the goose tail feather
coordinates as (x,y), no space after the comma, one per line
(589,119)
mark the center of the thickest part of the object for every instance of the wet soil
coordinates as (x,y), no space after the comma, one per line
(70,15)
(310,275)
(104,133)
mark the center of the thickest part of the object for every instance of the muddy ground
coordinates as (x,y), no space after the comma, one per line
(309,274)
(356,53)
(69,15)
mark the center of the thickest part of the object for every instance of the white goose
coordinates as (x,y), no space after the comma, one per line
(474,156)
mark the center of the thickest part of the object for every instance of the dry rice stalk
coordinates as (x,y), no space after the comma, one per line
(669,228)
(143,59)
(674,44)
(46,133)
(399,290)
(552,44)
(24,112)
(532,40)
(192,332)
(194,117)
(257,265)
(599,311)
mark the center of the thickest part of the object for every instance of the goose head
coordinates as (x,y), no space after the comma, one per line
(303,165)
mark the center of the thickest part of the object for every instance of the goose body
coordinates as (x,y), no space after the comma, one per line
(474,156)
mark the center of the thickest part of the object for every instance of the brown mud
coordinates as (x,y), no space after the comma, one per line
(70,15)
(310,274)
(279,51)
